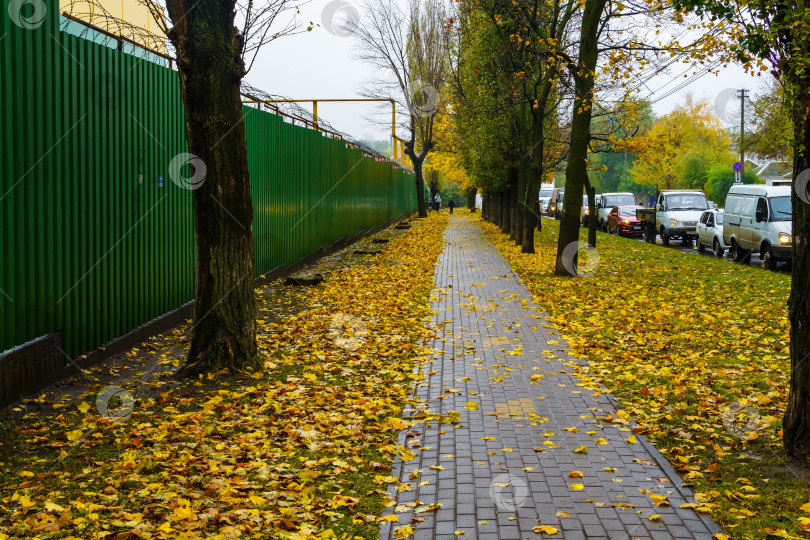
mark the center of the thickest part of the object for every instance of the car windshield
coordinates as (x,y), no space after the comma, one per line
(545,193)
(627,212)
(619,200)
(781,208)
(687,201)
(718,218)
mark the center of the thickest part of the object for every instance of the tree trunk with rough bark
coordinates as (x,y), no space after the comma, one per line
(592,219)
(211,69)
(531,218)
(524,162)
(537,167)
(505,215)
(514,222)
(419,183)
(580,134)
(796,423)
(471,194)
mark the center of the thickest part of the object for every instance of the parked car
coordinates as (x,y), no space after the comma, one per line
(622,220)
(759,218)
(585,211)
(545,198)
(611,200)
(556,205)
(677,213)
(710,232)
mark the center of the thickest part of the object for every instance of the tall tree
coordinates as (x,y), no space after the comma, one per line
(778,32)
(577,169)
(409,49)
(481,98)
(212,58)
(510,52)
(772,135)
(680,147)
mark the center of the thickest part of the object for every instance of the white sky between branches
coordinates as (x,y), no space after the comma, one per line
(318,64)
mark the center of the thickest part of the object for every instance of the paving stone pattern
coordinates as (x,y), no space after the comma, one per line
(506,464)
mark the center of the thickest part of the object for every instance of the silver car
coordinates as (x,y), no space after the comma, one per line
(710,232)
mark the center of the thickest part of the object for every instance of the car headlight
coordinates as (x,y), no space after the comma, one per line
(674,222)
(586,211)
(784,238)
(626,222)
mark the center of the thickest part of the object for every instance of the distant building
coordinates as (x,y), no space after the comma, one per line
(773,172)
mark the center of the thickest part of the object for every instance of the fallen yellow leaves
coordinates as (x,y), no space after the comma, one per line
(700,363)
(302,449)
(546,529)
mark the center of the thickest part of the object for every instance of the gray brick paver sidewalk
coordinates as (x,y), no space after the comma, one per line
(494,339)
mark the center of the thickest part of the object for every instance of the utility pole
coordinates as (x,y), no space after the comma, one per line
(742,127)
(625,168)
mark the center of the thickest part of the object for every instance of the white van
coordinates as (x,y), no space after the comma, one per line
(759,218)
(610,200)
(585,210)
(555,205)
(544,196)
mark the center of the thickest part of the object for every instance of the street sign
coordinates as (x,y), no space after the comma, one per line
(737,167)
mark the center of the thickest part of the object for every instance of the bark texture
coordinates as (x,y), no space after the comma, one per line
(418,177)
(796,423)
(576,169)
(471,193)
(211,69)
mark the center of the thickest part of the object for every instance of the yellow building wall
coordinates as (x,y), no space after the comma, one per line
(105,14)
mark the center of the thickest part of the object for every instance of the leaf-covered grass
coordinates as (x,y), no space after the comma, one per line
(696,351)
(290,452)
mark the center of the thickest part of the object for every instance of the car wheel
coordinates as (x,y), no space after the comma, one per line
(664,238)
(649,233)
(738,254)
(768,258)
(717,249)
(700,247)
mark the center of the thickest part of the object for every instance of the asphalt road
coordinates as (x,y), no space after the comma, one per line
(755,260)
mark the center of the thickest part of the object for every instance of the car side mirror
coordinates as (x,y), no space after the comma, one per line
(660,207)
(758,217)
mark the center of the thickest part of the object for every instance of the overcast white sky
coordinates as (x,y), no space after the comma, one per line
(319,64)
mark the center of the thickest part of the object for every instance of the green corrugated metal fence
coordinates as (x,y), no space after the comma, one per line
(96,238)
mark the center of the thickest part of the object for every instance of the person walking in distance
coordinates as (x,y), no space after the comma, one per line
(438,203)
(451,204)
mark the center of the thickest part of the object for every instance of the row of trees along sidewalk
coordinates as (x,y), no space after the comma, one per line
(524,89)
(529,78)
(216,43)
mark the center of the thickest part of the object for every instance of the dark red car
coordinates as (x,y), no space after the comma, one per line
(622,220)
